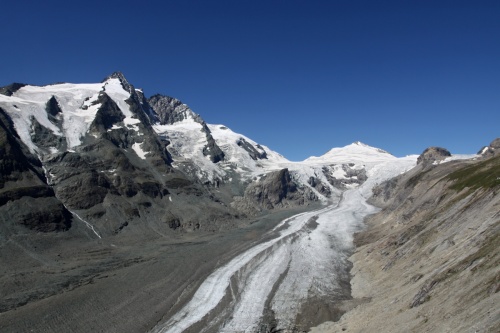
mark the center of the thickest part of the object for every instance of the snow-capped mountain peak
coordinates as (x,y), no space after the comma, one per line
(162,132)
(65,111)
(356,152)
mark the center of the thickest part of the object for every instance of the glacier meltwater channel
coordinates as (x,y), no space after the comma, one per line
(281,274)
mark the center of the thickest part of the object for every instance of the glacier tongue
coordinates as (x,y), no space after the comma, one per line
(305,259)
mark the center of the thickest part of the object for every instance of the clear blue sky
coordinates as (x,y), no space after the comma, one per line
(298,76)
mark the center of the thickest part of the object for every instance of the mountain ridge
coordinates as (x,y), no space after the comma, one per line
(64,124)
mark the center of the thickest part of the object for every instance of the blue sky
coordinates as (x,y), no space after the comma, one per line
(298,76)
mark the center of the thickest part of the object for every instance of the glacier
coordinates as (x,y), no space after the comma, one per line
(302,261)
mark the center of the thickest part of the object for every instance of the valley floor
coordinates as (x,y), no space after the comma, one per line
(65,283)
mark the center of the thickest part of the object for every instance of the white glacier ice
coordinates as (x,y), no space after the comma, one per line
(306,258)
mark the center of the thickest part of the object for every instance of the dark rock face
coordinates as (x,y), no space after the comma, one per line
(11,88)
(44,138)
(319,186)
(108,114)
(170,110)
(53,109)
(353,176)
(271,191)
(16,193)
(44,214)
(431,155)
(25,198)
(254,153)
(13,159)
(212,150)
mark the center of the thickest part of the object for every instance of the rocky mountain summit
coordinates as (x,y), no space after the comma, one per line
(433,155)
(492,150)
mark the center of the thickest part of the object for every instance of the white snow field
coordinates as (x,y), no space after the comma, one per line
(78,103)
(300,263)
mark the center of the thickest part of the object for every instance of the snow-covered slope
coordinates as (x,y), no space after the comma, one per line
(74,118)
(78,106)
(356,152)
(191,139)
(338,169)
(75,100)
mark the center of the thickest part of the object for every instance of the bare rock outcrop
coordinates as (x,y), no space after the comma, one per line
(170,110)
(432,155)
(492,150)
(273,191)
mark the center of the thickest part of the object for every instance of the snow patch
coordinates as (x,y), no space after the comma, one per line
(137,147)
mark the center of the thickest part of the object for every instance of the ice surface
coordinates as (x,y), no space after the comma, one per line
(454,157)
(311,258)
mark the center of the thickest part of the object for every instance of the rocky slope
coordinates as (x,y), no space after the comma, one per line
(429,260)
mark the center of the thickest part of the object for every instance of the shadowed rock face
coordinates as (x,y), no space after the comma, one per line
(170,110)
(433,154)
(254,153)
(25,198)
(11,88)
(53,109)
(212,150)
(45,138)
(274,190)
(43,214)
(108,114)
